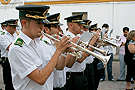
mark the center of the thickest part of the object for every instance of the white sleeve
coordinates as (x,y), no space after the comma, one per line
(21,62)
(4,42)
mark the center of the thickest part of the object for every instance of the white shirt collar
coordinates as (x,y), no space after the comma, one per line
(27,39)
(47,39)
(69,33)
(5,31)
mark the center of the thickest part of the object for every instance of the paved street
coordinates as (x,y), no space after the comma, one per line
(105,85)
(113,85)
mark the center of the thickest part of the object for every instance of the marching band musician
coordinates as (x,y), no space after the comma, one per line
(128,58)
(3,26)
(107,46)
(29,67)
(51,28)
(76,79)
(6,39)
(89,70)
(96,63)
(93,28)
(86,25)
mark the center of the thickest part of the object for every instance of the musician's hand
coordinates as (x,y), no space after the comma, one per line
(99,46)
(112,39)
(69,50)
(95,44)
(75,39)
(63,44)
(105,44)
(105,36)
(98,40)
(123,43)
(94,39)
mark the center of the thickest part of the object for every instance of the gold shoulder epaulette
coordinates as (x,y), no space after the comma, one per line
(2,33)
(19,42)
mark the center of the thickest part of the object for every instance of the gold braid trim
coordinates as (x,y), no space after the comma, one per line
(77,20)
(36,16)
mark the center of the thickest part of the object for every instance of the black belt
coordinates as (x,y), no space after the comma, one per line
(57,88)
(75,73)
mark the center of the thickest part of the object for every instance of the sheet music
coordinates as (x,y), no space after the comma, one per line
(85,37)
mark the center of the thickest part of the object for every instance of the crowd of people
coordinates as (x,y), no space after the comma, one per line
(41,57)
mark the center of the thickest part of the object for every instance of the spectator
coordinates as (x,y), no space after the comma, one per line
(122,53)
(128,58)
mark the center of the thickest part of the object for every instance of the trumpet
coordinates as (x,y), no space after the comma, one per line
(88,36)
(116,39)
(104,59)
(110,42)
(76,53)
(102,38)
(104,52)
(84,44)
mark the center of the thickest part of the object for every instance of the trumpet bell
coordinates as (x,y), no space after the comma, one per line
(111,43)
(105,53)
(105,60)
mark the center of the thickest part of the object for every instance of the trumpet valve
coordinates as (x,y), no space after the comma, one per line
(78,55)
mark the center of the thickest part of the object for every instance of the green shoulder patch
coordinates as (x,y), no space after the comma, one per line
(2,33)
(40,39)
(46,42)
(69,35)
(19,42)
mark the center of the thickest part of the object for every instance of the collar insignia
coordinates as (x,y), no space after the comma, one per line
(46,42)
(19,42)
(2,33)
